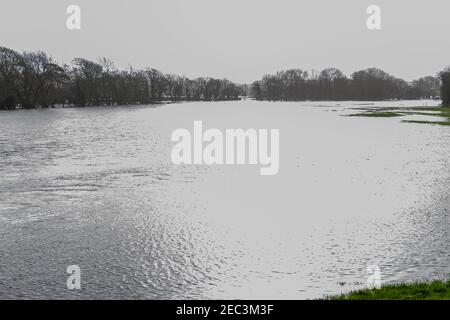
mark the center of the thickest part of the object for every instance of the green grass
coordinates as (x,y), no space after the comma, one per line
(377,114)
(437,111)
(441,123)
(443,112)
(436,290)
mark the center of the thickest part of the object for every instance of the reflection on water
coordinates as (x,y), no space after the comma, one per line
(95,187)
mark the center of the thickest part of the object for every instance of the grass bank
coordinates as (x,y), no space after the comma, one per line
(436,290)
(443,112)
(377,114)
(441,123)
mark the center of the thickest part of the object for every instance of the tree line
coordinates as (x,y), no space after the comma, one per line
(445,88)
(34,79)
(332,84)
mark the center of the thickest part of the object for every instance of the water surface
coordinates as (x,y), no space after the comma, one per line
(96,187)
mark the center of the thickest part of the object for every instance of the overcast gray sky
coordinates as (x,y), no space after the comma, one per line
(237,39)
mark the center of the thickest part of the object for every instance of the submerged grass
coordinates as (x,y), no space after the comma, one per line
(377,114)
(441,123)
(436,290)
(443,112)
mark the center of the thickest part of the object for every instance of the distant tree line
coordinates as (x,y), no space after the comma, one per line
(34,79)
(445,88)
(332,84)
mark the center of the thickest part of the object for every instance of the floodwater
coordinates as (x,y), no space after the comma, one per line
(95,187)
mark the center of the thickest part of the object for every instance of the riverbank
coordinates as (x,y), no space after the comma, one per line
(150,103)
(435,290)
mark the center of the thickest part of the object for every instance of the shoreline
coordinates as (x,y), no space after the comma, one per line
(431,290)
(153,103)
(375,109)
